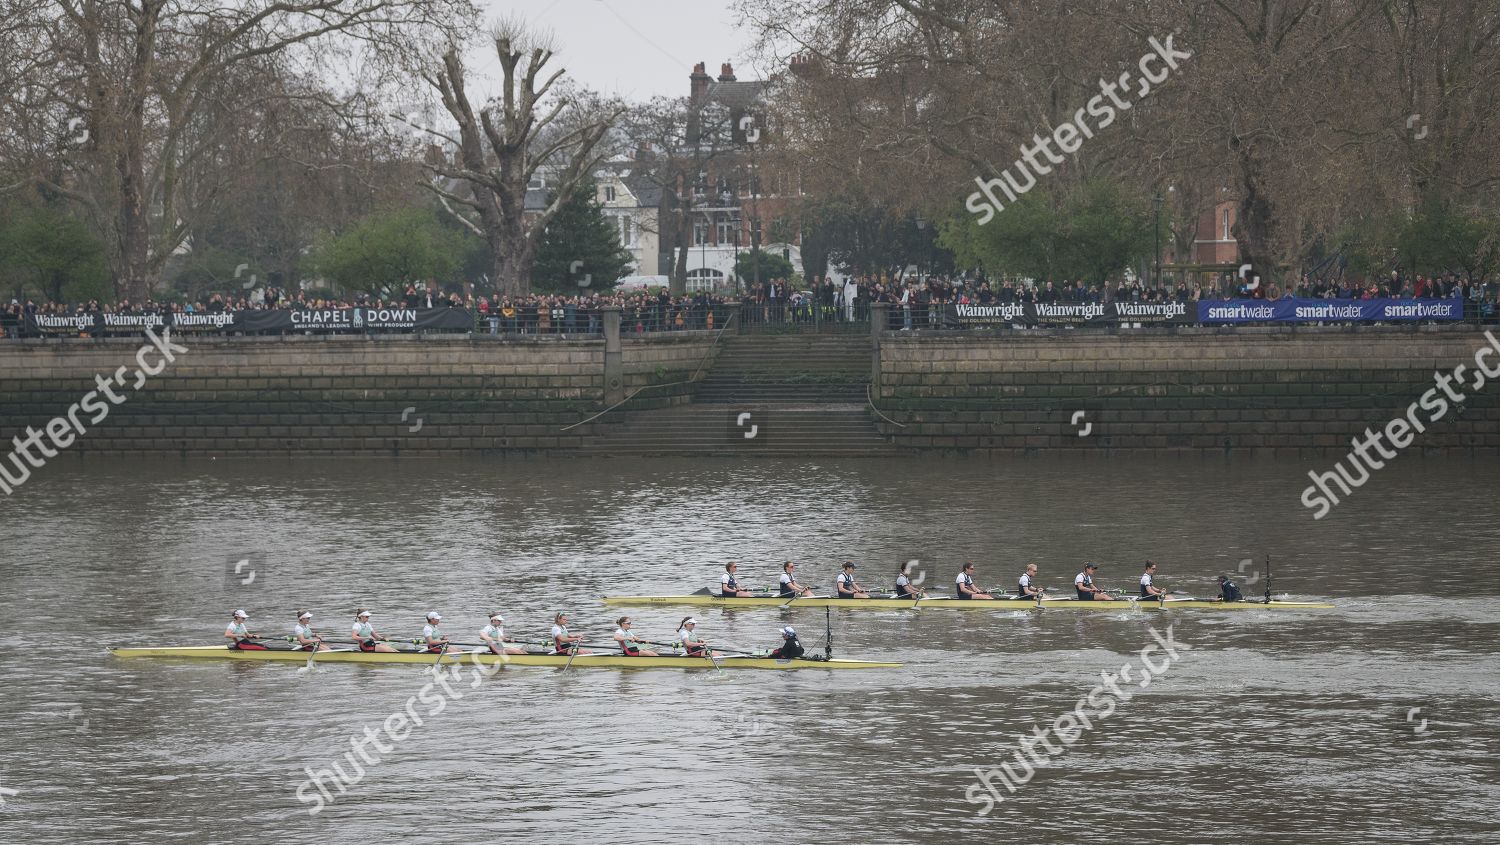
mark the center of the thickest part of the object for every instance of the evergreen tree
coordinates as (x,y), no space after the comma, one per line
(580,250)
(43,249)
(385,251)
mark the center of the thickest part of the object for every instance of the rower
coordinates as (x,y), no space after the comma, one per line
(1149,590)
(728,587)
(433,635)
(789,586)
(303,634)
(243,640)
(692,644)
(1228,591)
(493,635)
(1083,582)
(905,589)
(1026,587)
(368,638)
(790,648)
(965,584)
(562,641)
(848,588)
(630,644)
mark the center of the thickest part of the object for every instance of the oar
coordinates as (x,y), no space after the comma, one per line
(789,601)
(570,658)
(317,646)
(680,645)
(442,651)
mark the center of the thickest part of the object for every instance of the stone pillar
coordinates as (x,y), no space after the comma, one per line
(614,361)
(880,317)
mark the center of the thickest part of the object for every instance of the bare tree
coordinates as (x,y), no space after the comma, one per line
(1299,108)
(533,124)
(151,91)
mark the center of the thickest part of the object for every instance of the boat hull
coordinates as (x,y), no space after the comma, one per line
(582,661)
(698,600)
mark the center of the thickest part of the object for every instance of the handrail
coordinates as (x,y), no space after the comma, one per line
(639,390)
(870,399)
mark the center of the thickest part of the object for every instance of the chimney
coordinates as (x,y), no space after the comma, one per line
(804,66)
(699,82)
(726,72)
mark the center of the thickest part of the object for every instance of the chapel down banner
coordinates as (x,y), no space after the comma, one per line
(353,320)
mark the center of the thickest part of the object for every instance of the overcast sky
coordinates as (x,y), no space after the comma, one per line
(636,49)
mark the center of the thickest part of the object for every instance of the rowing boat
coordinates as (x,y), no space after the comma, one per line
(1180,604)
(706,599)
(582,661)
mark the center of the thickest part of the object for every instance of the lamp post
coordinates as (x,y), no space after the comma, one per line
(1156,235)
(708,225)
(737,255)
(922,236)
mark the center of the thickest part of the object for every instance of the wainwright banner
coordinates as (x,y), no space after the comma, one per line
(353,320)
(1070,313)
(1329,310)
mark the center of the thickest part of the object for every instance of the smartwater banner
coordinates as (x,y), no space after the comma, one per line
(353,320)
(1329,310)
(1070,313)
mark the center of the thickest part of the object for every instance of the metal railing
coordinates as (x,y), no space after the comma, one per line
(788,316)
(870,399)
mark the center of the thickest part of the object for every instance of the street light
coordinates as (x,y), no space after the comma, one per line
(1156,256)
(922,227)
(1156,235)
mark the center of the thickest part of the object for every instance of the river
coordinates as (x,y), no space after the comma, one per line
(1372,722)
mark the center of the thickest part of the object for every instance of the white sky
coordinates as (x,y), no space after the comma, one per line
(636,49)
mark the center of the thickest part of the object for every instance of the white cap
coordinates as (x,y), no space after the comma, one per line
(306,614)
(788,631)
(690,621)
(240,614)
(435,617)
(362,613)
(495,616)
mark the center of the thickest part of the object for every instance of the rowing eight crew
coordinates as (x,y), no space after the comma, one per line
(493,635)
(964,587)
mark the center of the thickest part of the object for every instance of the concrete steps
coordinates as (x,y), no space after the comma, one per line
(796,394)
(788,368)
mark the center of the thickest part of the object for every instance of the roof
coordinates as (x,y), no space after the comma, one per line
(737,95)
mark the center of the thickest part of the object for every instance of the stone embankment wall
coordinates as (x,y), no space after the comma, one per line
(1296,390)
(345,395)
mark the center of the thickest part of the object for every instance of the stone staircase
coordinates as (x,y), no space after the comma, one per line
(818,369)
(766,395)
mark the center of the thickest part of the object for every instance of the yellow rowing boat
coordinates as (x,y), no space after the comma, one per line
(705,599)
(582,661)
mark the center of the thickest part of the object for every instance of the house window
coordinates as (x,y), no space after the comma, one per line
(725,231)
(1225,236)
(627,231)
(609,193)
(700,233)
(703,279)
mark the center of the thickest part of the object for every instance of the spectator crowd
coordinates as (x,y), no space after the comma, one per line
(914,303)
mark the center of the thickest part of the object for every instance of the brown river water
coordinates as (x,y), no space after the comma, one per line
(1372,722)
